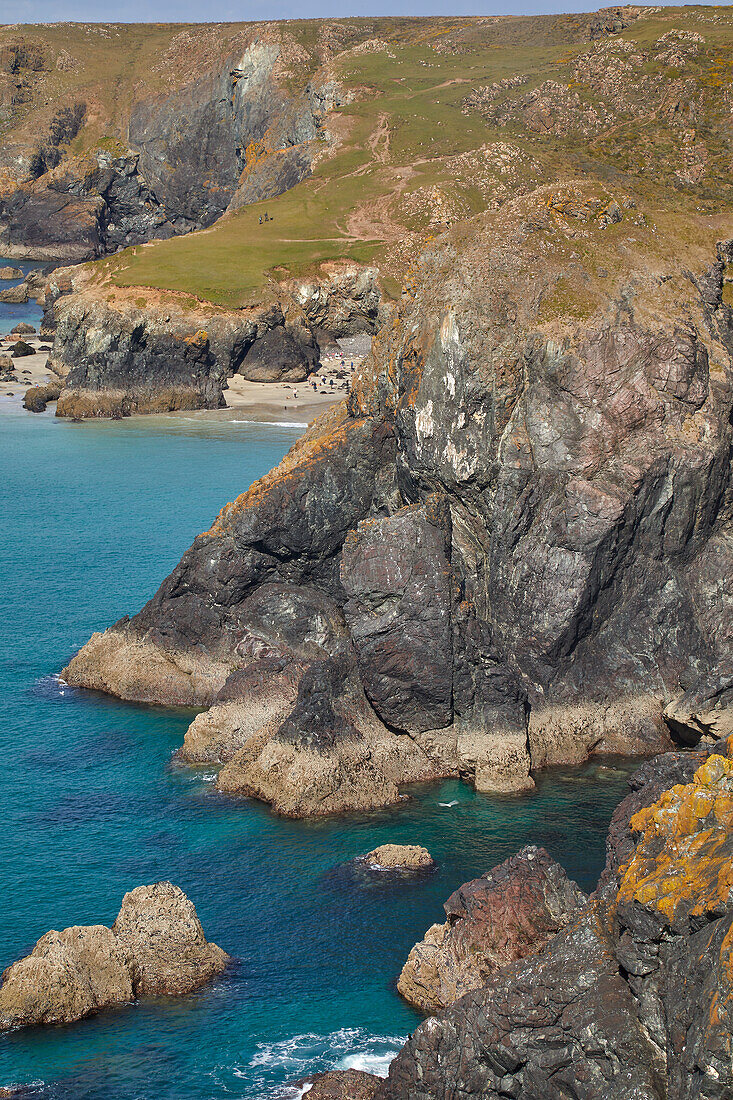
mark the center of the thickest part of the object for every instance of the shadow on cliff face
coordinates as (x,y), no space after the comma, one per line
(521,525)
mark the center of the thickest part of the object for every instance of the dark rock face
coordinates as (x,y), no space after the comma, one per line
(396,575)
(121,359)
(635,998)
(284,354)
(524,520)
(506,915)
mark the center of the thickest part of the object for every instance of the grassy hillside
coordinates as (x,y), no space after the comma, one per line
(446,118)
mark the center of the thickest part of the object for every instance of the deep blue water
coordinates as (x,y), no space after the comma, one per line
(31,312)
(92,518)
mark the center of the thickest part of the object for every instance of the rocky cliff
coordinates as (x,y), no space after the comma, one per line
(510,550)
(122,353)
(212,117)
(634,999)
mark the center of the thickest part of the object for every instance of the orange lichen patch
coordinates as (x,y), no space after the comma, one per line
(683,864)
(324,438)
(199,338)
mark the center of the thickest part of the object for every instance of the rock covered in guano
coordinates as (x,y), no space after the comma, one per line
(156,946)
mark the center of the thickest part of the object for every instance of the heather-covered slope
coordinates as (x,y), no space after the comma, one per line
(510,550)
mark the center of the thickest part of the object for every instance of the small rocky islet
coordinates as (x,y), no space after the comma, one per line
(510,547)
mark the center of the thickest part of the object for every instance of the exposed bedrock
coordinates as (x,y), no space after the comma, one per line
(635,997)
(234,135)
(505,915)
(521,526)
(155,947)
(134,356)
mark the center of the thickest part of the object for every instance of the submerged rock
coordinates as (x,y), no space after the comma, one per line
(507,914)
(156,946)
(399,857)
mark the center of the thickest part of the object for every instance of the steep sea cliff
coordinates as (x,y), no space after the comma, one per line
(96,805)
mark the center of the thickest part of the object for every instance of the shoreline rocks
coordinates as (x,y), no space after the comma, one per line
(634,996)
(507,914)
(155,947)
(399,857)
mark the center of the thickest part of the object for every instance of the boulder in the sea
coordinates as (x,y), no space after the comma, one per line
(15,295)
(341,1084)
(37,397)
(23,329)
(10,273)
(399,857)
(507,914)
(159,926)
(156,946)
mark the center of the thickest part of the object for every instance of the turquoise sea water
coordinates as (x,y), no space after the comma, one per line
(92,517)
(31,312)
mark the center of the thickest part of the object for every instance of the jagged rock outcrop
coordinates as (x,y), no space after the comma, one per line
(121,355)
(635,998)
(507,914)
(521,524)
(156,946)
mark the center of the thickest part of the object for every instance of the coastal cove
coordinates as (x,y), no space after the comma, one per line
(95,515)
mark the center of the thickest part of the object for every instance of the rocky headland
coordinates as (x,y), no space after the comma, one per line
(156,947)
(508,550)
(631,998)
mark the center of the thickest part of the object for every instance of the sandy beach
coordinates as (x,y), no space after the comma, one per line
(30,370)
(269,402)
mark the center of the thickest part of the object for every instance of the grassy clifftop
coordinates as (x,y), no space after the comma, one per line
(440,120)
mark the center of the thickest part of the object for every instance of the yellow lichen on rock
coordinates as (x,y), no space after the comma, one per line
(683,864)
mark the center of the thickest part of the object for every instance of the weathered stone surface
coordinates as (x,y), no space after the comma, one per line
(10,273)
(159,926)
(285,353)
(23,329)
(155,946)
(635,998)
(410,857)
(522,522)
(507,914)
(344,300)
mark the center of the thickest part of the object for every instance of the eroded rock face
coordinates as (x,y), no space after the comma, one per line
(156,946)
(521,523)
(505,915)
(634,998)
(120,358)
